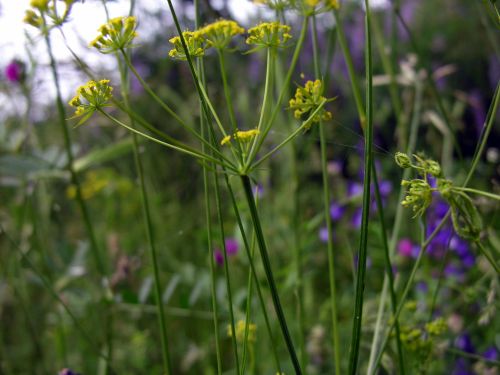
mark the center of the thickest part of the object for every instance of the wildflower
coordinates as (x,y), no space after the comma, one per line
(115,35)
(226,140)
(269,34)
(67,371)
(245,136)
(15,71)
(402,160)
(220,33)
(40,11)
(232,246)
(307,99)
(436,327)
(418,195)
(195,45)
(93,183)
(218,257)
(336,211)
(240,331)
(91,97)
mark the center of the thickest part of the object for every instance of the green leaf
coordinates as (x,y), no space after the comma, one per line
(465,217)
(102,155)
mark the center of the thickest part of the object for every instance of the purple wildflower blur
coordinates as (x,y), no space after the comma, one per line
(15,71)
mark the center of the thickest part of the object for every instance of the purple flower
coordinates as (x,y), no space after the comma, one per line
(357,217)
(464,343)
(336,211)
(405,247)
(323,234)
(462,368)
(232,246)
(452,270)
(354,189)
(258,191)
(14,72)
(422,287)
(385,188)
(67,371)
(218,257)
(491,353)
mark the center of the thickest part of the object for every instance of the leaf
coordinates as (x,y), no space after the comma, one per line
(102,155)
(465,217)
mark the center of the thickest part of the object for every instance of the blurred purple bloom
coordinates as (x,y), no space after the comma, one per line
(323,234)
(477,107)
(405,247)
(464,343)
(494,71)
(368,261)
(354,189)
(14,72)
(67,371)
(460,246)
(385,188)
(258,191)
(336,211)
(452,270)
(491,353)
(219,257)
(462,368)
(357,217)
(232,246)
(422,287)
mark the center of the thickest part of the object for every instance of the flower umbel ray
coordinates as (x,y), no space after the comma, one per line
(307,98)
(115,35)
(91,97)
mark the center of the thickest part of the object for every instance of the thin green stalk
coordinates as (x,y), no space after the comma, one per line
(363,244)
(414,125)
(162,103)
(284,89)
(205,134)
(390,276)
(350,69)
(290,137)
(488,256)
(47,285)
(196,154)
(226,269)
(269,273)
(265,99)
(478,192)
(327,217)
(148,225)
(69,154)
(248,310)
(423,247)
(254,272)
(229,101)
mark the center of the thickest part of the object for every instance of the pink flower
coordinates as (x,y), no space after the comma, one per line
(14,72)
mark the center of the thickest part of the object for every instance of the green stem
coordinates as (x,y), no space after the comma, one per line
(487,255)
(327,217)
(478,192)
(69,154)
(148,225)
(205,134)
(363,244)
(254,272)
(265,101)
(183,149)
(284,89)
(269,273)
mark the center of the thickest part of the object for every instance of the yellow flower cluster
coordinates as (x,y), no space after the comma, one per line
(307,99)
(115,35)
(240,331)
(269,34)
(91,97)
(195,44)
(220,33)
(242,136)
(93,183)
(41,11)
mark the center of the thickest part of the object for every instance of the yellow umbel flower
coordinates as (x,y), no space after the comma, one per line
(226,140)
(240,331)
(269,34)
(220,33)
(195,44)
(115,35)
(91,97)
(307,99)
(44,16)
(244,136)
(40,4)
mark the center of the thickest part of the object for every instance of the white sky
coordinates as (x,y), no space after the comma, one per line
(85,19)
